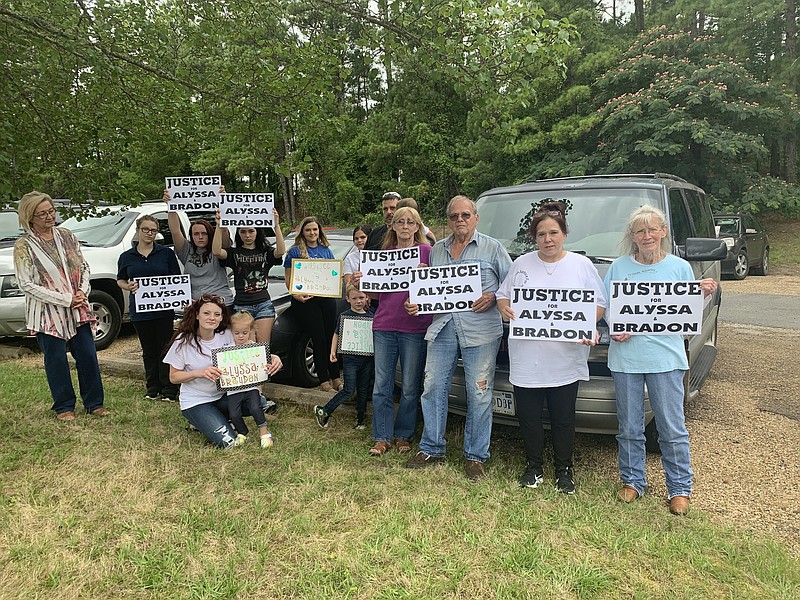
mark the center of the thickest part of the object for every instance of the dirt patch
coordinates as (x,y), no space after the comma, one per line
(783,282)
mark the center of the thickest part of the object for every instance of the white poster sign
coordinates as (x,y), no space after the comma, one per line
(451,288)
(387,270)
(558,315)
(247,210)
(162,293)
(655,307)
(355,336)
(194,193)
(243,367)
(316,277)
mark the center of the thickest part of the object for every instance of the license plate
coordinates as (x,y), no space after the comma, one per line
(504,403)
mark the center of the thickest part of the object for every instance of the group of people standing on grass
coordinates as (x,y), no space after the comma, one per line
(54,277)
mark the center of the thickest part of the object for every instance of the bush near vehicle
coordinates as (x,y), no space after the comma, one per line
(747,242)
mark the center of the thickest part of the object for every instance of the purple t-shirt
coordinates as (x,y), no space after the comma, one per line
(392,315)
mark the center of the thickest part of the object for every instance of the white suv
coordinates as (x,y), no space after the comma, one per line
(103,239)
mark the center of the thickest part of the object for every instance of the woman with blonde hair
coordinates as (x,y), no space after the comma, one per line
(54,277)
(316,315)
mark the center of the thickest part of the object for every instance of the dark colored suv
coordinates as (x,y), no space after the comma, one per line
(747,243)
(598,210)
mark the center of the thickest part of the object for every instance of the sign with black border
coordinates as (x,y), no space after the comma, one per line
(355,335)
(243,367)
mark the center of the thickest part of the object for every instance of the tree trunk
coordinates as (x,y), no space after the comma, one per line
(638,8)
(790,145)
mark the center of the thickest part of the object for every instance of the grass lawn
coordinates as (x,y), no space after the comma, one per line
(135,506)
(784,241)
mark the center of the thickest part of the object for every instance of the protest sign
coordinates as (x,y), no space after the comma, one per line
(194,193)
(162,293)
(451,288)
(557,315)
(355,336)
(387,270)
(316,278)
(655,308)
(247,210)
(243,367)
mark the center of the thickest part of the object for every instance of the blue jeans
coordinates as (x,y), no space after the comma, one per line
(666,399)
(359,372)
(249,400)
(262,310)
(410,349)
(479,365)
(82,348)
(211,419)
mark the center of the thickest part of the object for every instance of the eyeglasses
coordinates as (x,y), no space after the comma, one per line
(43,214)
(466,216)
(148,231)
(401,222)
(640,233)
(391,196)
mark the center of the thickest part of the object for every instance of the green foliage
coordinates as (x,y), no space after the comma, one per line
(767,195)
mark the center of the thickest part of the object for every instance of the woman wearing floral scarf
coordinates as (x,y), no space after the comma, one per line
(54,277)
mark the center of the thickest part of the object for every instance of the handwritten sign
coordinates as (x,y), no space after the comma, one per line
(247,210)
(162,293)
(316,278)
(557,315)
(655,307)
(451,288)
(387,270)
(195,193)
(355,336)
(243,367)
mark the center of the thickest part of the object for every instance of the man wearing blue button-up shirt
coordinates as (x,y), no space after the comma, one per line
(476,335)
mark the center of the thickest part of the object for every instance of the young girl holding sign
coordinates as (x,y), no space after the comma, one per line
(242,330)
(203,328)
(251,260)
(547,373)
(154,328)
(315,314)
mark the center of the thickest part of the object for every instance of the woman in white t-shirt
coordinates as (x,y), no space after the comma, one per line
(352,262)
(203,328)
(547,373)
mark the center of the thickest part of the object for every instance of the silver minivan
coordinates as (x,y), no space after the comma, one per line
(598,210)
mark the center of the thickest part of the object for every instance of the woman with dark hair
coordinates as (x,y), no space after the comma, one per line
(547,373)
(207,273)
(54,277)
(352,262)
(203,328)
(657,362)
(316,315)
(251,260)
(154,328)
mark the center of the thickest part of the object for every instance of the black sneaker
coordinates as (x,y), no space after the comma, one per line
(532,477)
(565,481)
(321,416)
(270,407)
(360,424)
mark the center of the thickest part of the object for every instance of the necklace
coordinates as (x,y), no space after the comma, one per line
(548,271)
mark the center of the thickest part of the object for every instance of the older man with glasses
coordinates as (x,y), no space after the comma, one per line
(475,335)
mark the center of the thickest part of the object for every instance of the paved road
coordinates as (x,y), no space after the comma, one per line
(766,310)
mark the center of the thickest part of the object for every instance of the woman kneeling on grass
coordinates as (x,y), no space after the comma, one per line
(203,328)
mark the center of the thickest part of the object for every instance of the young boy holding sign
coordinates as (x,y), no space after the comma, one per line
(357,356)
(242,329)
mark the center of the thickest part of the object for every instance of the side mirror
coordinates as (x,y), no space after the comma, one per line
(751,231)
(702,249)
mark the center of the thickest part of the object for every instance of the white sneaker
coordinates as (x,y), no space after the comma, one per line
(266,440)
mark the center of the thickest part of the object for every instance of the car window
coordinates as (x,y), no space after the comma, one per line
(163,229)
(596,217)
(727,225)
(681,227)
(701,214)
(102,231)
(9,226)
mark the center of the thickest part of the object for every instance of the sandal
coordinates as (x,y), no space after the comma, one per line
(380,448)
(326,386)
(402,445)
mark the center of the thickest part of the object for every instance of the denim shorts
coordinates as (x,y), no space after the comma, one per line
(262,310)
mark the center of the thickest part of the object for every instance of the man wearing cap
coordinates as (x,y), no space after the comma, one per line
(389,204)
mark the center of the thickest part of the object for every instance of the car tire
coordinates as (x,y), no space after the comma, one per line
(109,318)
(651,438)
(741,267)
(303,372)
(763,268)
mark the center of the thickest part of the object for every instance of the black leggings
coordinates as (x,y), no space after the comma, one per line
(561,410)
(317,317)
